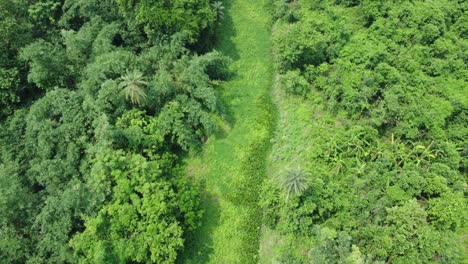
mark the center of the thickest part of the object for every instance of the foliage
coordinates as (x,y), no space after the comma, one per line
(45,15)
(46,64)
(143,222)
(16,32)
(294,183)
(44,155)
(82,170)
(377,130)
(218,8)
(133,86)
(170,16)
(294,83)
(232,166)
(9,86)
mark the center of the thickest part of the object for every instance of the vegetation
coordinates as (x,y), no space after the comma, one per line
(294,183)
(232,165)
(206,131)
(133,86)
(372,99)
(168,17)
(97,108)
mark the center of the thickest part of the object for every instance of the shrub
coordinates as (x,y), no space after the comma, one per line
(294,83)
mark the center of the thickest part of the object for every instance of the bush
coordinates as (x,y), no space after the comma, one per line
(294,83)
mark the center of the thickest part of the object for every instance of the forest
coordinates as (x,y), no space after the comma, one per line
(370,157)
(233,131)
(99,99)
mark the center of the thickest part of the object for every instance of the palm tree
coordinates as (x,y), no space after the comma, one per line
(218,7)
(294,183)
(133,86)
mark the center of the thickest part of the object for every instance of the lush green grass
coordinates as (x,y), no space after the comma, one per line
(231,166)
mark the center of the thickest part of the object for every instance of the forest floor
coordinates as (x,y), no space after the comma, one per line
(232,164)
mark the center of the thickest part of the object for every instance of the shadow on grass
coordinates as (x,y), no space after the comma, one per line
(199,243)
(226,114)
(225,34)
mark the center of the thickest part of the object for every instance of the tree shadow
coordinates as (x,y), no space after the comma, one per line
(199,243)
(226,115)
(225,44)
(225,32)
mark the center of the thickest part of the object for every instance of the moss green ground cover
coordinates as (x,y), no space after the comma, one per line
(231,167)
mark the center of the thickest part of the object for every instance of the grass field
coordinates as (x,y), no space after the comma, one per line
(231,165)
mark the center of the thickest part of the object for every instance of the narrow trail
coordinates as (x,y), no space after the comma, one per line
(231,167)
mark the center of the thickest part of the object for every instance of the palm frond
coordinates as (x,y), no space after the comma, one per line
(218,7)
(133,87)
(294,183)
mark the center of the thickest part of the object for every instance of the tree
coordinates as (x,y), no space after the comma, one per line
(169,17)
(294,83)
(387,122)
(15,206)
(145,218)
(294,183)
(106,108)
(218,8)
(16,32)
(448,211)
(133,87)
(45,15)
(56,161)
(9,88)
(47,64)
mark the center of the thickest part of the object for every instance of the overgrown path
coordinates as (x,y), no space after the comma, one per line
(231,166)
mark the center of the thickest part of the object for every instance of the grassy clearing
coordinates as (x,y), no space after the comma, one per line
(231,166)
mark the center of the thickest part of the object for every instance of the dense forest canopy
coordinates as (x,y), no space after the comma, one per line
(97,104)
(384,178)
